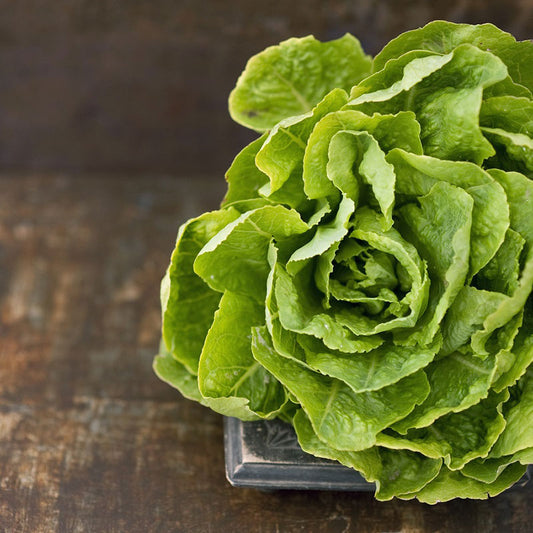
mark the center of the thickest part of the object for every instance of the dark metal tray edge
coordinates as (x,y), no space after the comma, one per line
(266,455)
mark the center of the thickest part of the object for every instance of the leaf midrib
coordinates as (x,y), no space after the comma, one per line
(306,106)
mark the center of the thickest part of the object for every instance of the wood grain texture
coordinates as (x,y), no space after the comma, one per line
(142,85)
(90,440)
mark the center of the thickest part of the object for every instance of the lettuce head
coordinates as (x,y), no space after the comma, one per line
(368,276)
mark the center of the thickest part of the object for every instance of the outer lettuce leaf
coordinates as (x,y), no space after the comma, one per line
(525,456)
(185,323)
(518,358)
(518,146)
(446,93)
(442,37)
(449,485)
(466,316)
(457,437)
(235,259)
(502,272)
(457,382)
(507,87)
(340,417)
(369,371)
(277,84)
(401,75)
(519,191)
(398,473)
(405,473)
(517,436)
(176,375)
(488,470)
(367,462)
(228,376)
(509,113)
(245,179)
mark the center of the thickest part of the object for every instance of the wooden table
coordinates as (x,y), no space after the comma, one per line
(90,440)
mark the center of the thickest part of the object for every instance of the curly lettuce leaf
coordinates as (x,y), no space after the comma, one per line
(229,378)
(185,323)
(442,37)
(245,179)
(459,437)
(401,472)
(235,259)
(341,417)
(277,84)
(457,382)
(450,484)
(445,92)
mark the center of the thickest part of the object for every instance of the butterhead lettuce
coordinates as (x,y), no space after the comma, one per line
(368,276)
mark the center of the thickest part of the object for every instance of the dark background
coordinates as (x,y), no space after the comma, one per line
(138,86)
(113,131)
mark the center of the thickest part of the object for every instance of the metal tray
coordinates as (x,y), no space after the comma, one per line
(266,455)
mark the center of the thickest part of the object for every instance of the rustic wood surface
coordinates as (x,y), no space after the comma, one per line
(142,85)
(90,440)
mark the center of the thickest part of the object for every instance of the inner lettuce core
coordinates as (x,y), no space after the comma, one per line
(368,275)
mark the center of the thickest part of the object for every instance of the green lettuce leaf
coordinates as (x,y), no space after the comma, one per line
(277,84)
(445,92)
(231,259)
(445,246)
(340,417)
(442,37)
(456,437)
(185,323)
(449,485)
(490,216)
(171,371)
(400,473)
(245,179)
(457,382)
(228,376)
(369,371)
(282,152)
(517,436)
